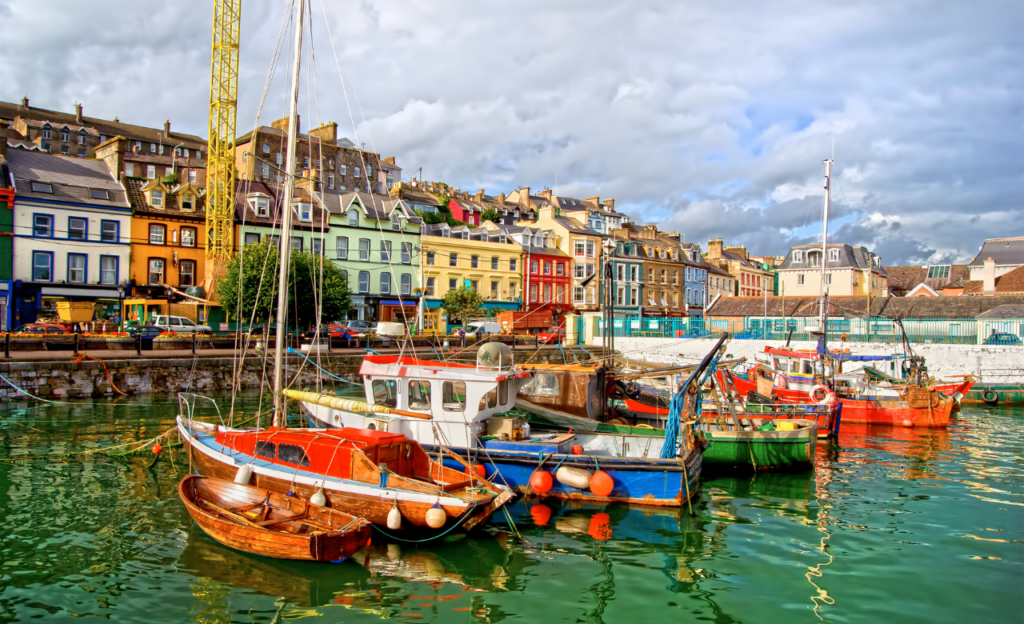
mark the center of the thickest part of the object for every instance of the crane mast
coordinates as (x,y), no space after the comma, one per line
(220,164)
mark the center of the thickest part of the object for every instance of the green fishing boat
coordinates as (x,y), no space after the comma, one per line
(757,444)
(995,394)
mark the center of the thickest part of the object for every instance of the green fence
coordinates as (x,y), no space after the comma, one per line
(879,329)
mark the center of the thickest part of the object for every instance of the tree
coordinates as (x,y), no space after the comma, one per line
(462,303)
(490,215)
(258,265)
(304,291)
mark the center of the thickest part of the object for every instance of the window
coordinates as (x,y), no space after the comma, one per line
(494,289)
(664,280)
(278,158)
(675,277)
(533,292)
(590,249)
(474,262)
(547,293)
(188,237)
(341,247)
(305,163)
(579,248)
(419,394)
(579,270)
(318,246)
(475,285)
(65,150)
(396,224)
(406,253)
(453,396)
(186,273)
(188,202)
(156,271)
(430,258)
(385,251)
(369,173)
(406,284)
(296,243)
(157,234)
(42,266)
(330,180)
(343,169)
(453,284)
(251,238)
(156,198)
(364,282)
(634,273)
(385,283)
(129,170)
(430,286)
(264,171)
(108,270)
(330,164)
(77,227)
(650,297)
(364,250)
(512,264)
(353,218)
(453,259)
(356,172)
(938,272)
(292,454)
(650,275)
(150,172)
(65,136)
(577,294)
(76,268)
(798,256)
(305,211)
(192,176)
(800,280)
(828,279)
(547,268)
(41,187)
(152,148)
(534,267)
(46,132)
(81,152)
(620,296)
(833,255)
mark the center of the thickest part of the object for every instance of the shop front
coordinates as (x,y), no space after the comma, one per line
(395,311)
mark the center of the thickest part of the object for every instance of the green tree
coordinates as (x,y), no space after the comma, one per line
(490,215)
(257,289)
(304,292)
(462,303)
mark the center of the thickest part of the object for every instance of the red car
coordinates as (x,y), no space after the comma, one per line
(553,335)
(41,328)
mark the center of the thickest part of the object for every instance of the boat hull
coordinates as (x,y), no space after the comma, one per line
(760,450)
(350,534)
(995,394)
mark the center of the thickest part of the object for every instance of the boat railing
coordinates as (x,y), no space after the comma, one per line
(187,402)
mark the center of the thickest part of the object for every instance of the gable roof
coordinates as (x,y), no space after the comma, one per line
(850,257)
(71,178)
(136,188)
(926,288)
(1002,251)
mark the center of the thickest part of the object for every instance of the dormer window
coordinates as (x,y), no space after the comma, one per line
(46,131)
(156,198)
(465,234)
(188,202)
(502,238)
(81,137)
(798,256)
(396,225)
(833,255)
(305,211)
(42,187)
(353,218)
(261,206)
(65,136)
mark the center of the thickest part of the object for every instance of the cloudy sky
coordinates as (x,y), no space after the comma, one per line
(708,118)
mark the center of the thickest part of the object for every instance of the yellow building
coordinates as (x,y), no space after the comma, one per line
(583,245)
(849,271)
(483,258)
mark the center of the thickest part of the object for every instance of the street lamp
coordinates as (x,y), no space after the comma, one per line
(609,311)
(122,289)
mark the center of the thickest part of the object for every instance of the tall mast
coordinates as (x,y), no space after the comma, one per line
(285,244)
(824,245)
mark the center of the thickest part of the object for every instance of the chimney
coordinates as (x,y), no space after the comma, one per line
(78,113)
(546,194)
(4,133)
(596,200)
(547,212)
(524,197)
(610,204)
(112,153)
(715,248)
(389,160)
(24,102)
(167,127)
(282,123)
(988,276)
(501,198)
(328,132)
(479,196)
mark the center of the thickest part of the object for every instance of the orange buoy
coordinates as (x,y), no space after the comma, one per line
(576,449)
(602,484)
(600,526)
(157,448)
(908,423)
(541,514)
(480,470)
(541,481)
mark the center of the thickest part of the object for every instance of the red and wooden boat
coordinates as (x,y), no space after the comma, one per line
(261,522)
(364,472)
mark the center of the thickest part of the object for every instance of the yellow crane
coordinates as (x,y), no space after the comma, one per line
(220,163)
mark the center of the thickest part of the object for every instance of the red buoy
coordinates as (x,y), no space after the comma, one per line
(601,484)
(480,470)
(600,526)
(541,514)
(576,449)
(157,448)
(541,481)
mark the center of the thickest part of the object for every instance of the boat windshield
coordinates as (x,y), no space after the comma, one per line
(419,394)
(385,392)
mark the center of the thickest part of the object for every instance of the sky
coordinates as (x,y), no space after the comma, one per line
(711,119)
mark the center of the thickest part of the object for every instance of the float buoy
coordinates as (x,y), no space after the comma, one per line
(319,498)
(243,475)
(600,526)
(480,469)
(576,449)
(541,514)
(157,448)
(602,484)
(574,477)
(908,423)
(541,481)
(394,518)
(436,517)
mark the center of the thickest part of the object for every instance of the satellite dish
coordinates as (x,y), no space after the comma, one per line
(494,355)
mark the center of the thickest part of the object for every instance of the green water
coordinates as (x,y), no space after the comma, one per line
(894,525)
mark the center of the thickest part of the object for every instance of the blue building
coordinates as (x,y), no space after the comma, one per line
(695,279)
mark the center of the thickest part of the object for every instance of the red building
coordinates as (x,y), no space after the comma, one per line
(548,279)
(466,210)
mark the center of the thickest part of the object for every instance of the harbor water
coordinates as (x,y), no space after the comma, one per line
(892,525)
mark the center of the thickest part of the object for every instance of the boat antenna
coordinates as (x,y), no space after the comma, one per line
(280,415)
(824,245)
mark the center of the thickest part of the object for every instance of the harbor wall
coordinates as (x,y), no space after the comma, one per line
(69,379)
(992,363)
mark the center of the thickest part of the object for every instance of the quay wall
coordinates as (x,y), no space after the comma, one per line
(69,379)
(992,363)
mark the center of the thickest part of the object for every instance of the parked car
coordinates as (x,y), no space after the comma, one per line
(179,324)
(554,335)
(335,331)
(362,327)
(41,328)
(1002,339)
(479,329)
(147,333)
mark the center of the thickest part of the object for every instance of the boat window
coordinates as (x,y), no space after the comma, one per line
(808,367)
(490,399)
(503,392)
(453,395)
(385,392)
(266,449)
(293,454)
(778,365)
(794,366)
(542,384)
(419,394)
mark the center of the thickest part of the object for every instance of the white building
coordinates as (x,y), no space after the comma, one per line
(71,231)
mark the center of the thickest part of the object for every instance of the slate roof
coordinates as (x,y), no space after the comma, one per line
(903,279)
(244,189)
(10,110)
(71,178)
(1002,251)
(140,205)
(713,269)
(1003,312)
(531,249)
(890,307)
(854,257)
(576,227)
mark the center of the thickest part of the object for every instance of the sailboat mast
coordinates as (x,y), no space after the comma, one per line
(285,244)
(822,313)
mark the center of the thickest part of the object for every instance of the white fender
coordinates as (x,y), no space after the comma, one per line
(319,498)
(436,517)
(394,519)
(574,477)
(243,475)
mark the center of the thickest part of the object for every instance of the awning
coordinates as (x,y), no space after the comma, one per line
(395,302)
(104,293)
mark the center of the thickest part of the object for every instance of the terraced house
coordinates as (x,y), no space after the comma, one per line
(664,273)
(751,279)
(583,245)
(849,271)
(547,270)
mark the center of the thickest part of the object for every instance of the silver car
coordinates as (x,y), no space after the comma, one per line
(179,324)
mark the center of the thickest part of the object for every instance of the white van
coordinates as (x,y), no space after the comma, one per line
(482,328)
(179,324)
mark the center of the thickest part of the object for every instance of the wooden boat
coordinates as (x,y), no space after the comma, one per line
(758,444)
(261,522)
(364,472)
